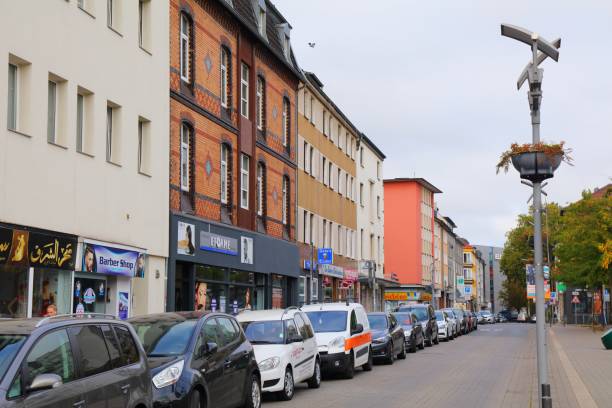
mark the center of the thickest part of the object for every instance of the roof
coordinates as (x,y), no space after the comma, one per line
(603,191)
(265,315)
(170,316)
(418,180)
(244,12)
(329,306)
(450,222)
(18,326)
(372,146)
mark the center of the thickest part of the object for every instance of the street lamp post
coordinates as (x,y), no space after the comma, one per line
(534,75)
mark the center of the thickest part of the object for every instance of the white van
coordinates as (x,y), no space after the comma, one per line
(343,336)
(285,349)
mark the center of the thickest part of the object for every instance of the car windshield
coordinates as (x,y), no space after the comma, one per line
(377,322)
(264,332)
(420,312)
(485,313)
(403,319)
(9,346)
(439,315)
(450,313)
(164,338)
(328,321)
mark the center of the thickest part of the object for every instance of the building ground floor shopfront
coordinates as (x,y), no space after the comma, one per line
(218,267)
(47,272)
(396,296)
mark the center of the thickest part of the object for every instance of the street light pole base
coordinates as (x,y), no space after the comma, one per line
(546,398)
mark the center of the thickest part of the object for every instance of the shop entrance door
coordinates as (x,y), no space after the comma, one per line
(89,295)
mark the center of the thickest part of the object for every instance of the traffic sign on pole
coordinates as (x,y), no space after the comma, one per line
(575,300)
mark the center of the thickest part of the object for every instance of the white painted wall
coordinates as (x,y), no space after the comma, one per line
(370,174)
(57,188)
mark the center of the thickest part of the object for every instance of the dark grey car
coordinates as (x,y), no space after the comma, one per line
(72,361)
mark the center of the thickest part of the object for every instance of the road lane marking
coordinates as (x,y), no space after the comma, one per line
(583,396)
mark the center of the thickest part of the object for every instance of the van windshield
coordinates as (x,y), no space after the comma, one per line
(328,321)
(9,346)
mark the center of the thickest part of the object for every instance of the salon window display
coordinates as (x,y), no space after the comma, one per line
(90,296)
(51,294)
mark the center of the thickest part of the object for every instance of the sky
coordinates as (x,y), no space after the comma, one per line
(433,85)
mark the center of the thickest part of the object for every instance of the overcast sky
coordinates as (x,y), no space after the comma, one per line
(433,84)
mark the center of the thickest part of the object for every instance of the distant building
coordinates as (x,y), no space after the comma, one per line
(473,273)
(493,277)
(449,259)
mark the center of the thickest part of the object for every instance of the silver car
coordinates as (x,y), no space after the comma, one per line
(453,322)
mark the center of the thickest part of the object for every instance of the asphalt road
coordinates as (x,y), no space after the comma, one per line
(489,367)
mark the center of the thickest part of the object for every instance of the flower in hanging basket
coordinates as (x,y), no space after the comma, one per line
(554,152)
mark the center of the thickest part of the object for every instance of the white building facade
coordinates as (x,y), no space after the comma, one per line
(370,224)
(84,156)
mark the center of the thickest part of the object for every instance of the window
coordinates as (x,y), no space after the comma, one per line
(302,327)
(113,346)
(324,238)
(361,240)
(80,122)
(13,96)
(378,206)
(286,122)
(339,240)
(361,194)
(186,137)
(261,188)
(127,344)
(144,24)
(338,186)
(51,355)
(144,145)
(311,162)
(260,103)
(51,111)
(324,169)
(378,170)
(261,21)
(286,201)
(305,225)
(225,180)
(110,132)
(110,11)
(329,174)
(244,90)
(338,133)
(306,105)
(226,75)
(347,144)
(312,228)
(244,181)
(93,354)
(325,123)
(348,242)
(312,112)
(185,48)
(306,157)
(361,157)
(346,186)
(315,288)
(286,46)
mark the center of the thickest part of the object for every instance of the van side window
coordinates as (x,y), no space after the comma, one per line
(307,325)
(353,320)
(93,356)
(128,347)
(301,326)
(292,331)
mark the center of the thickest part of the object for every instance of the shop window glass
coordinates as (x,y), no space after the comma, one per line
(215,296)
(302,289)
(51,294)
(94,358)
(206,272)
(241,277)
(51,355)
(242,296)
(14,292)
(278,301)
(89,295)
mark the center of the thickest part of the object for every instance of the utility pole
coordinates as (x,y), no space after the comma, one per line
(534,76)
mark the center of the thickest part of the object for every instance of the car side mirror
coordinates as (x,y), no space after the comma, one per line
(358,329)
(295,339)
(45,382)
(210,348)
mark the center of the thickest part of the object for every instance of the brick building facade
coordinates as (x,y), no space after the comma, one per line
(233,87)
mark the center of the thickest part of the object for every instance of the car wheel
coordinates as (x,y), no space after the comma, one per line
(390,354)
(436,340)
(368,366)
(253,397)
(195,401)
(289,389)
(422,345)
(349,371)
(315,380)
(402,354)
(429,341)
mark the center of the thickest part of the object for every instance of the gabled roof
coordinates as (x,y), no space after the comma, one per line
(245,13)
(418,180)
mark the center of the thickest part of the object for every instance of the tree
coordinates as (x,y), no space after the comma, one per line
(513,294)
(584,242)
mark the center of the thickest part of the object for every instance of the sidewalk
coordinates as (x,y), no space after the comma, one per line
(580,368)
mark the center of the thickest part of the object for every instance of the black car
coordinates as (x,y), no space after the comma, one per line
(72,361)
(413,331)
(426,316)
(199,359)
(510,315)
(387,337)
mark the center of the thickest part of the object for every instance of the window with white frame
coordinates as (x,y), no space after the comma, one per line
(378,206)
(260,102)
(286,122)
(144,145)
(13,96)
(285,189)
(306,156)
(347,143)
(244,90)
(185,48)
(144,24)
(312,228)
(244,181)
(329,174)
(261,188)
(185,155)
(361,157)
(225,76)
(339,240)
(261,21)
(324,171)
(324,238)
(312,112)
(361,194)
(311,161)
(225,179)
(339,185)
(110,128)
(346,186)
(51,111)
(378,170)
(307,106)
(338,133)
(325,123)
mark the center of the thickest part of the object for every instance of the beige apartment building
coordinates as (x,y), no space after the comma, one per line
(326,214)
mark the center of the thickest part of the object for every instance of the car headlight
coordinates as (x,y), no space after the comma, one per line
(169,375)
(407,333)
(269,363)
(338,342)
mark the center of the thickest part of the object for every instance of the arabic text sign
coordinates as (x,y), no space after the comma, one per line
(36,249)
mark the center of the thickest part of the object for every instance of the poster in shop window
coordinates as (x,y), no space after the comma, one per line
(246,250)
(184,241)
(124,306)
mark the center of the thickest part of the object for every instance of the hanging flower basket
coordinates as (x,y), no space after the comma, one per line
(535,162)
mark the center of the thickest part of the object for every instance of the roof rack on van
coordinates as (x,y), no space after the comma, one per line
(77,316)
(288,309)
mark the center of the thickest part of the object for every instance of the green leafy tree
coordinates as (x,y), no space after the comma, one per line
(513,294)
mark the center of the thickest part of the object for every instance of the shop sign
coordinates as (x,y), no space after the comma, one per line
(36,249)
(530,274)
(326,256)
(218,243)
(351,275)
(331,270)
(396,296)
(426,297)
(112,261)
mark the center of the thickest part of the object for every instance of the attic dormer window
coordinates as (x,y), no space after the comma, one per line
(286,46)
(261,20)
(284,31)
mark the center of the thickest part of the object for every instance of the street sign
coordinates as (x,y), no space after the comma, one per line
(553,295)
(575,299)
(326,256)
(575,293)
(561,287)
(546,272)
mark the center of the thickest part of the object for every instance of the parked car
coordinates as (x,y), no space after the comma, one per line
(285,349)
(462,320)
(199,359)
(511,315)
(413,331)
(474,321)
(480,317)
(388,340)
(343,336)
(72,361)
(522,316)
(426,316)
(453,321)
(500,318)
(487,317)
(444,327)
